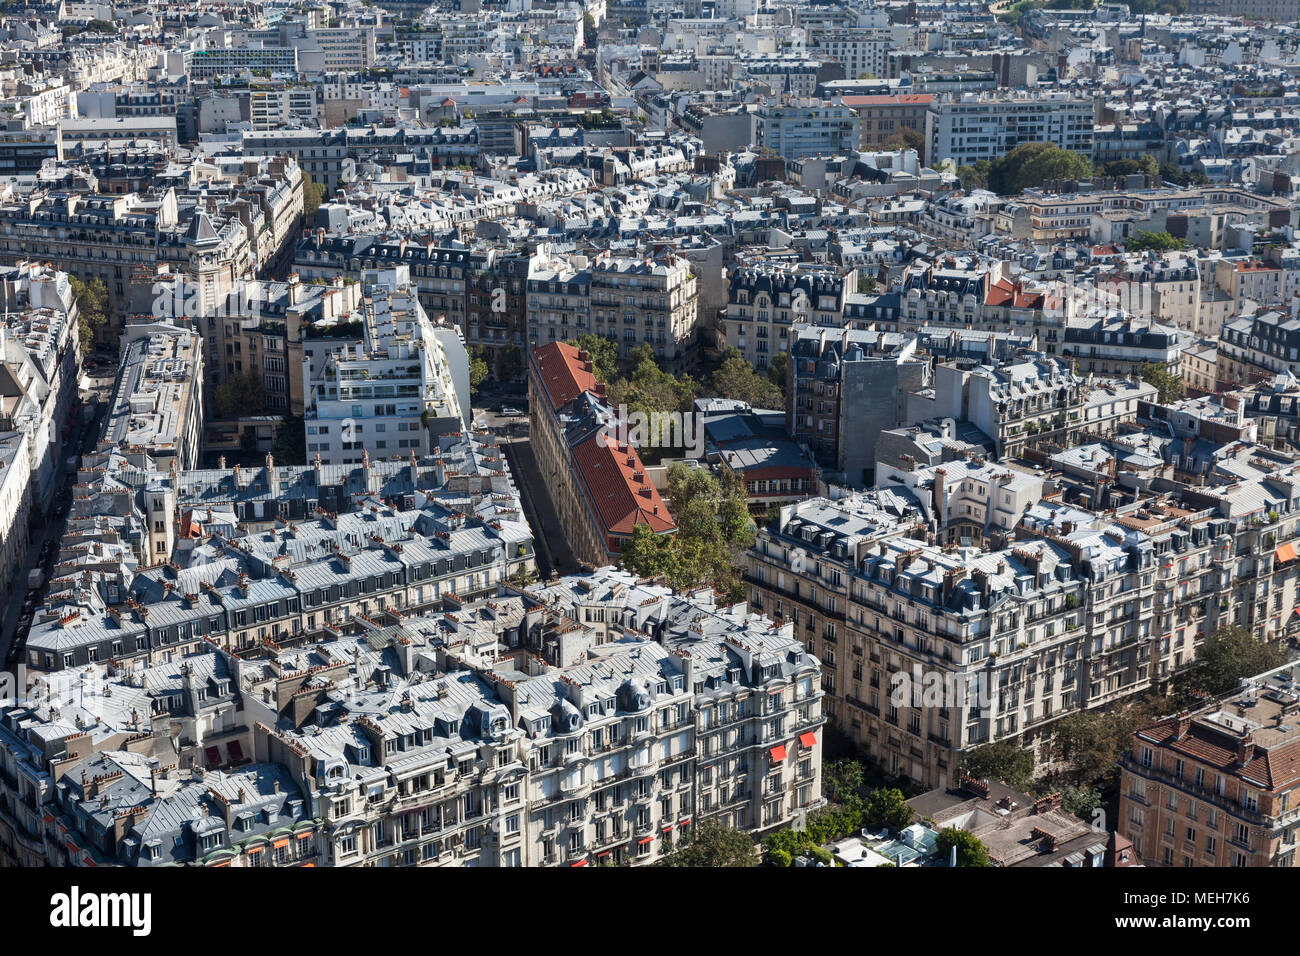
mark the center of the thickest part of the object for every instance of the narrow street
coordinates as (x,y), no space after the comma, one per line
(553,554)
(43,549)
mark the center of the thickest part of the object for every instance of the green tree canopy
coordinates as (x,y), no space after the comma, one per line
(713,530)
(313,194)
(975,176)
(603,354)
(1002,761)
(1169,387)
(970,851)
(1142,240)
(1032,164)
(290,444)
(886,806)
(906,138)
(714,846)
(478,369)
(1230,654)
(736,379)
(778,373)
(242,395)
(92,308)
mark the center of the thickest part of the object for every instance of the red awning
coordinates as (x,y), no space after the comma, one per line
(777,753)
(808,740)
(645,840)
(668,829)
(221,864)
(602,853)
(72,847)
(581,863)
(685,823)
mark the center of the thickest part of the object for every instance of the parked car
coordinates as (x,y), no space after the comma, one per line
(511,411)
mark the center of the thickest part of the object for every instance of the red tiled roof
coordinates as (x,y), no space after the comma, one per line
(562,374)
(884,99)
(1006,292)
(621,501)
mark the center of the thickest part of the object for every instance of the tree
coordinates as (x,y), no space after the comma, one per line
(290,444)
(313,194)
(1081,801)
(510,363)
(906,138)
(242,395)
(1230,654)
(1001,761)
(92,308)
(1089,743)
(1169,387)
(886,807)
(1146,166)
(970,851)
(603,354)
(975,176)
(1032,164)
(713,530)
(866,286)
(736,379)
(1142,240)
(714,846)
(778,372)
(478,369)
(842,779)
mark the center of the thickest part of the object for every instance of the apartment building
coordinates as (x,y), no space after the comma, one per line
(87,783)
(272,109)
(882,117)
(1119,344)
(155,564)
(796,128)
(1017,405)
(652,301)
(1213,786)
(558,298)
(596,482)
(975,126)
(40,363)
(395,391)
(1102,609)
(765,302)
(544,727)
(845,387)
(157,405)
(15,508)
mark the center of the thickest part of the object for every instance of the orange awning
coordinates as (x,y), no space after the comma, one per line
(256,849)
(282,842)
(645,840)
(581,863)
(222,863)
(808,740)
(1285,553)
(777,753)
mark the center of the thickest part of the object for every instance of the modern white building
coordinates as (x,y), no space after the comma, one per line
(392,392)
